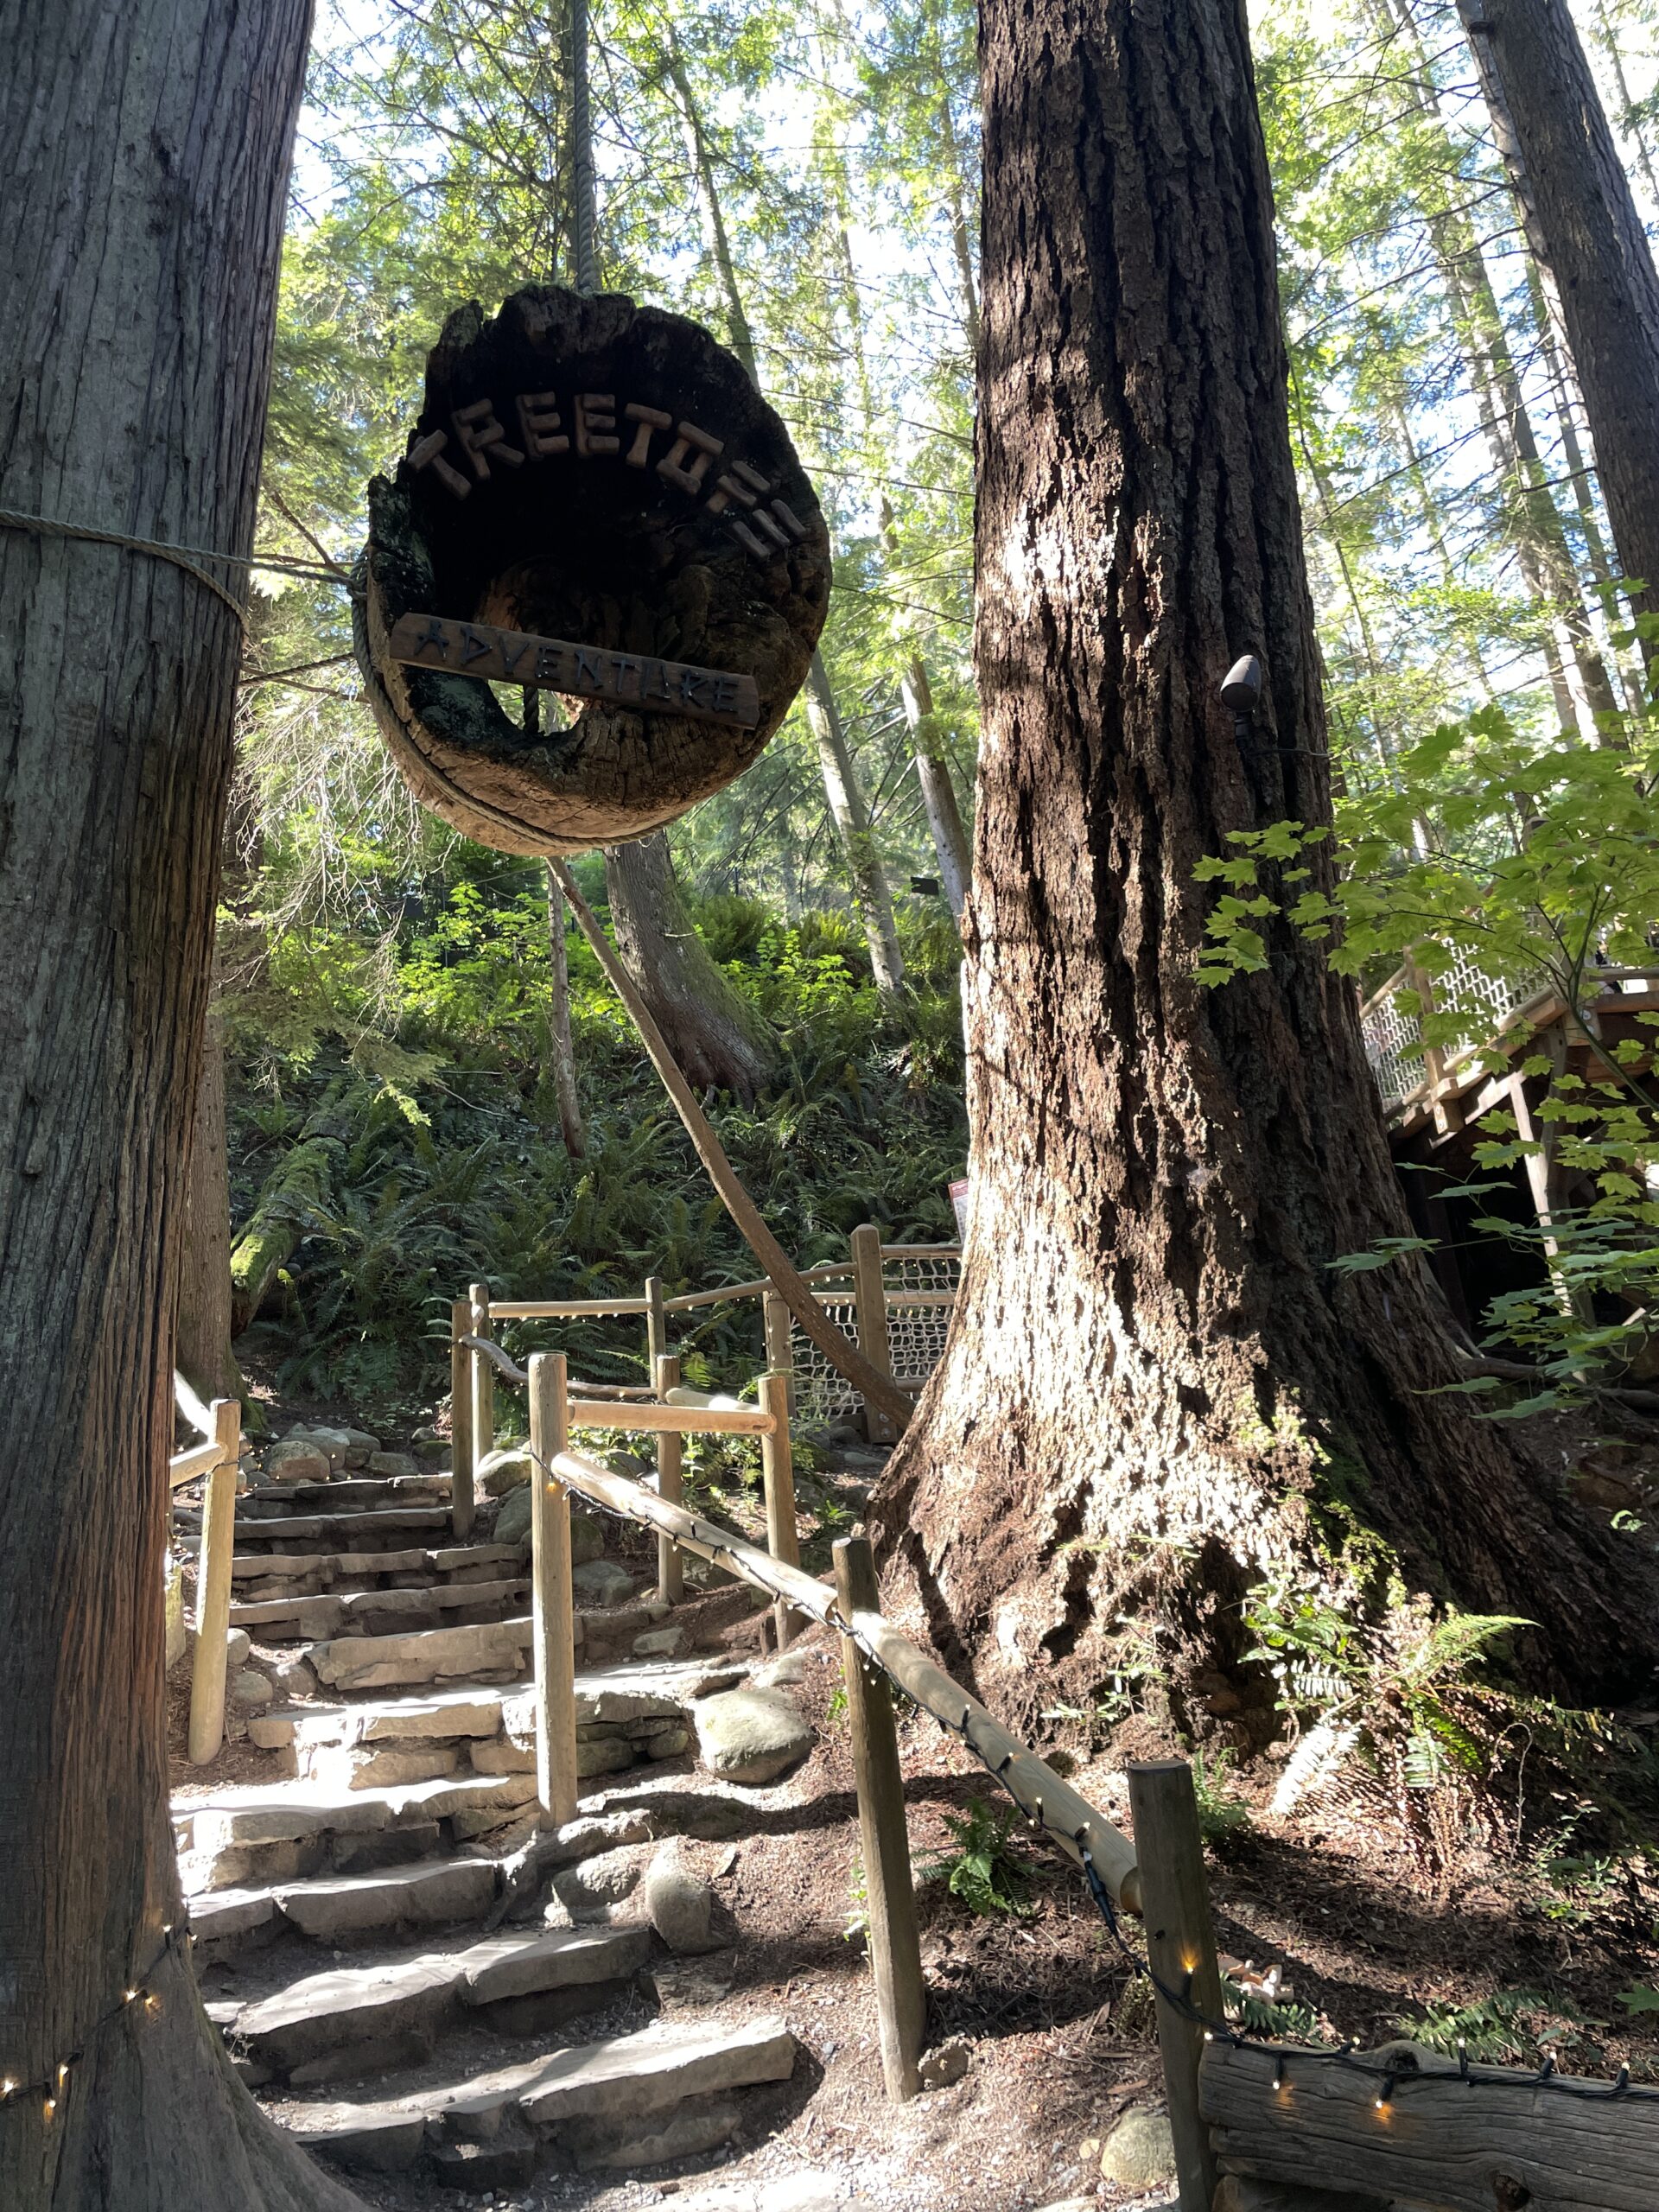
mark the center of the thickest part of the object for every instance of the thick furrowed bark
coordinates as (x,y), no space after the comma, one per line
(1156,1382)
(146,150)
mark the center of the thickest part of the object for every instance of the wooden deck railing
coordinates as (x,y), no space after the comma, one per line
(217,1456)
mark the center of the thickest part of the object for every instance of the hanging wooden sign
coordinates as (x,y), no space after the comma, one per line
(586,470)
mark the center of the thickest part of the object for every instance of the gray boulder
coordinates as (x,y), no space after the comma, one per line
(1139,2153)
(751,1735)
(296,1459)
(389,1463)
(512,1522)
(602,1582)
(680,1904)
(250,1692)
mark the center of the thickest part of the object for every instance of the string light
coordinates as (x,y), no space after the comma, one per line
(1384,2096)
(51,2089)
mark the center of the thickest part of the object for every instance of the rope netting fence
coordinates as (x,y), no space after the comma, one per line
(920,1289)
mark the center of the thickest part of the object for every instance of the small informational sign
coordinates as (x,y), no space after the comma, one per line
(640,681)
(959,1203)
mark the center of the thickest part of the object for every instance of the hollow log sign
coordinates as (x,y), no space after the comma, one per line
(596,504)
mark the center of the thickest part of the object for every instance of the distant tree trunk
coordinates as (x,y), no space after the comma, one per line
(1583,225)
(933,774)
(871,900)
(202,1351)
(1157,1388)
(560,1053)
(145,153)
(715,1037)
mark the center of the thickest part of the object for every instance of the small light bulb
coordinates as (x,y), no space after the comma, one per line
(1279,2074)
(63,2074)
(7,2086)
(51,2107)
(1208,2035)
(131,1996)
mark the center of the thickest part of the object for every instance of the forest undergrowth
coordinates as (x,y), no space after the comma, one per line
(413,1070)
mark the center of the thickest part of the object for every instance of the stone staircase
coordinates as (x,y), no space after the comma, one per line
(408,1973)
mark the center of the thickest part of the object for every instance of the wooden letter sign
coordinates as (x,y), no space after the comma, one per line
(641,681)
(585,470)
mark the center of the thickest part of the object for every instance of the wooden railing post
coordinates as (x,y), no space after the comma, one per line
(656,1323)
(483,1384)
(213,1587)
(895,1945)
(671,1561)
(870,1308)
(1181,1950)
(461,1499)
(780,1349)
(777,1475)
(553,1604)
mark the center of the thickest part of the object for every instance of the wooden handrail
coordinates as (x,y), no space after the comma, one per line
(564,1309)
(1069,1819)
(189,1466)
(687,1421)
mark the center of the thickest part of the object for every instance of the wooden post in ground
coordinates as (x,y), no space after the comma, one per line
(461,1423)
(553,1617)
(1181,1950)
(895,1946)
(780,1353)
(213,1587)
(656,1325)
(671,1561)
(870,1305)
(777,1474)
(483,1384)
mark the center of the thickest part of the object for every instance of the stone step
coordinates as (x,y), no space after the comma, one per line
(483,1650)
(625,1715)
(227,1923)
(296,1830)
(351,2020)
(274,1500)
(367,1612)
(376,1528)
(591,2099)
(325,1569)
(493,1649)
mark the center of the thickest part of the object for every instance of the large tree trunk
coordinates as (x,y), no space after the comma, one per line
(202,1349)
(145,152)
(1156,1387)
(715,1037)
(1583,225)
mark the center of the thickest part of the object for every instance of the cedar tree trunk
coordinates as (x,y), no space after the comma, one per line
(143,155)
(711,1032)
(1156,1388)
(1583,226)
